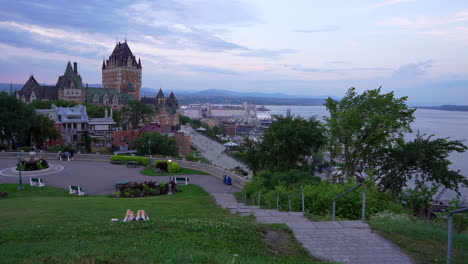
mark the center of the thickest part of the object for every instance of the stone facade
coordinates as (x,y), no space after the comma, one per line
(69,87)
(166,109)
(122,72)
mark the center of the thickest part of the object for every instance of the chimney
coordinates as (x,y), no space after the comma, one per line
(75,67)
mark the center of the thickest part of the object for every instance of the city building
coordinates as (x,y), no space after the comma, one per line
(121,80)
(74,125)
(122,72)
(166,109)
(69,87)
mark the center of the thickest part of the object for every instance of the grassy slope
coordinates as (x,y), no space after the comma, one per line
(184,171)
(425,242)
(46,225)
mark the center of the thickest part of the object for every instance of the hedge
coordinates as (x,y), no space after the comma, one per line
(142,160)
(175,167)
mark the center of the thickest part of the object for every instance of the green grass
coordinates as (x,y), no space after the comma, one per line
(184,171)
(47,225)
(424,241)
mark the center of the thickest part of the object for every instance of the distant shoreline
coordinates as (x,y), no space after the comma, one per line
(462,108)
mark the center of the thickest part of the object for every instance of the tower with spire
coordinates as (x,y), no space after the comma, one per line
(122,71)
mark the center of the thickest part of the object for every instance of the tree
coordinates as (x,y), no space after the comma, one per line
(184,119)
(216,130)
(286,143)
(160,144)
(365,124)
(135,113)
(250,154)
(42,128)
(15,119)
(95,111)
(422,160)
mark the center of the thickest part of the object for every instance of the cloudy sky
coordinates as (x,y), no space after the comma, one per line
(417,48)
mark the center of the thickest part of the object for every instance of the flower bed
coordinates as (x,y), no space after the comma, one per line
(33,166)
(142,160)
(147,188)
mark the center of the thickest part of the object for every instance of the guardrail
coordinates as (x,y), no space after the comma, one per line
(450,232)
(293,195)
(363,201)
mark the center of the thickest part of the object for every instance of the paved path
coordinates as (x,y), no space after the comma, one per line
(100,177)
(213,150)
(341,241)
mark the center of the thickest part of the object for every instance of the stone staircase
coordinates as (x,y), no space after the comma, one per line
(339,241)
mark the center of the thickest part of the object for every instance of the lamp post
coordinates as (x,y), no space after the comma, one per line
(149,152)
(20,184)
(170,176)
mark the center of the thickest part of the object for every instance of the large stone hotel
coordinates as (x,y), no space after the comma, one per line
(121,81)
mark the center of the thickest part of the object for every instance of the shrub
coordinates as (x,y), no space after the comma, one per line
(135,189)
(390,216)
(142,160)
(163,165)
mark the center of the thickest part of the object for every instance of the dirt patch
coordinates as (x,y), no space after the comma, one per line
(281,242)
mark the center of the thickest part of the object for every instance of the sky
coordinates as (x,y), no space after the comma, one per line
(416,48)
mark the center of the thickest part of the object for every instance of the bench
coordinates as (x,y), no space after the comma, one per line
(133,164)
(76,189)
(117,162)
(181,180)
(36,182)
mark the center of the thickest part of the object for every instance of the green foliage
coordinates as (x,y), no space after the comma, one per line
(285,144)
(175,167)
(159,144)
(142,160)
(216,130)
(135,113)
(196,156)
(290,179)
(365,123)
(96,111)
(319,196)
(42,127)
(184,119)
(423,159)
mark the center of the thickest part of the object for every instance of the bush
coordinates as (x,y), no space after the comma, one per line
(142,160)
(319,197)
(134,189)
(163,166)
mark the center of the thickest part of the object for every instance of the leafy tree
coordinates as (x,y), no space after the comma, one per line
(422,160)
(39,104)
(42,127)
(366,123)
(184,119)
(196,123)
(95,111)
(160,144)
(286,143)
(216,130)
(249,151)
(135,113)
(15,119)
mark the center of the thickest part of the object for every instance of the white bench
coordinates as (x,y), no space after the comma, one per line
(36,182)
(181,180)
(75,189)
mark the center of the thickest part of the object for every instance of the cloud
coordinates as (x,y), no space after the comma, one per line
(412,70)
(335,70)
(425,21)
(269,54)
(209,69)
(389,3)
(319,30)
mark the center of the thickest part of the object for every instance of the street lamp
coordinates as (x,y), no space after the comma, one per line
(20,184)
(149,152)
(170,176)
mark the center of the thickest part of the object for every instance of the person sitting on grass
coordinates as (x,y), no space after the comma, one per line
(129,216)
(142,215)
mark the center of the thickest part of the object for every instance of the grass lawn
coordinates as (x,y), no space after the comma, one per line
(47,225)
(184,171)
(425,242)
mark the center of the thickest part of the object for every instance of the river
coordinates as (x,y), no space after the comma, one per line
(453,124)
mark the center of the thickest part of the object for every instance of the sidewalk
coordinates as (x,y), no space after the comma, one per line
(340,241)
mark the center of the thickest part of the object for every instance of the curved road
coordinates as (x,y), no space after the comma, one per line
(97,177)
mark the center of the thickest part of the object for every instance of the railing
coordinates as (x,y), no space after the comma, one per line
(450,232)
(293,195)
(363,200)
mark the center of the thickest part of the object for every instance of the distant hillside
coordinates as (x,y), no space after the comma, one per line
(446,107)
(5,87)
